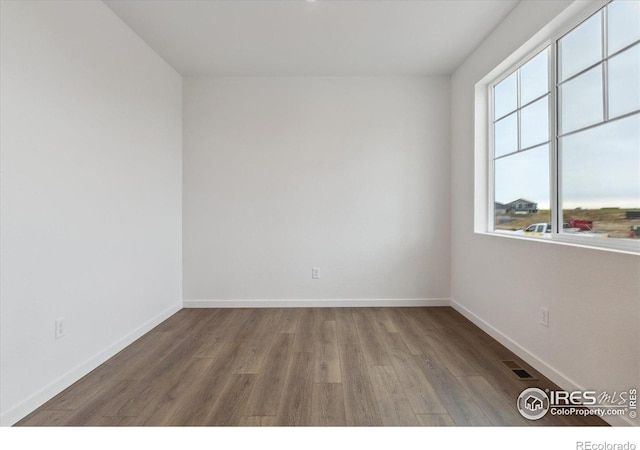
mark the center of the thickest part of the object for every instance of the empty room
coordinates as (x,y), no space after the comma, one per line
(330,213)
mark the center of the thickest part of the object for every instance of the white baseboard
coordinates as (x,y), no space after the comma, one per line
(535,361)
(48,392)
(315,303)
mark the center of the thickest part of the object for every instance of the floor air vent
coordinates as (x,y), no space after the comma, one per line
(518,371)
(522,374)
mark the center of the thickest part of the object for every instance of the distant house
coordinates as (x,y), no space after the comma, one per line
(499,208)
(631,214)
(521,206)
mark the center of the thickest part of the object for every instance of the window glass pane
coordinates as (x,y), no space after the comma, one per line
(505,97)
(581,47)
(624,82)
(581,100)
(534,123)
(601,179)
(522,188)
(506,135)
(534,78)
(624,24)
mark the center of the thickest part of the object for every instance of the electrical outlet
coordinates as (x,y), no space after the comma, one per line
(60,328)
(315,273)
(544,317)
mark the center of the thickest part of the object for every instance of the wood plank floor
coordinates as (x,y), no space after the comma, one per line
(303,367)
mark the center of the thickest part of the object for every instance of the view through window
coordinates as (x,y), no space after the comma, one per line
(593,174)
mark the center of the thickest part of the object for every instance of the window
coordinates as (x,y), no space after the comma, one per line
(564,134)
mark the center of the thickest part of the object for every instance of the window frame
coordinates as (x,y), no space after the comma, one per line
(549,38)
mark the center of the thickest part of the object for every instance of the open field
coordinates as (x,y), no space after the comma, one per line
(608,220)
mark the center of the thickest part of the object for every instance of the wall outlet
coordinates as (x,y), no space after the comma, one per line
(315,273)
(60,328)
(544,316)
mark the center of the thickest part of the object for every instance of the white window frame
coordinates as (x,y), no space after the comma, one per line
(484,200)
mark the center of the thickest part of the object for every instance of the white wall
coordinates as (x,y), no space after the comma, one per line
(593,340)
(91,181)
(346,174)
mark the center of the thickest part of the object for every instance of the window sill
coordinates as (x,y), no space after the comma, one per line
(620,246)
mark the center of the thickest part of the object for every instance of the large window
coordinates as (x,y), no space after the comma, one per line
(565,135)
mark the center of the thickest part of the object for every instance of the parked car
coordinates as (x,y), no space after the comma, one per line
(544,229)
(537,229)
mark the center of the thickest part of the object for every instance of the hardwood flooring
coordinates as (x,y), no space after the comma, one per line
(304,367)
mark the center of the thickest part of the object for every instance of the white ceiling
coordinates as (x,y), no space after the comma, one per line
(325,37)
